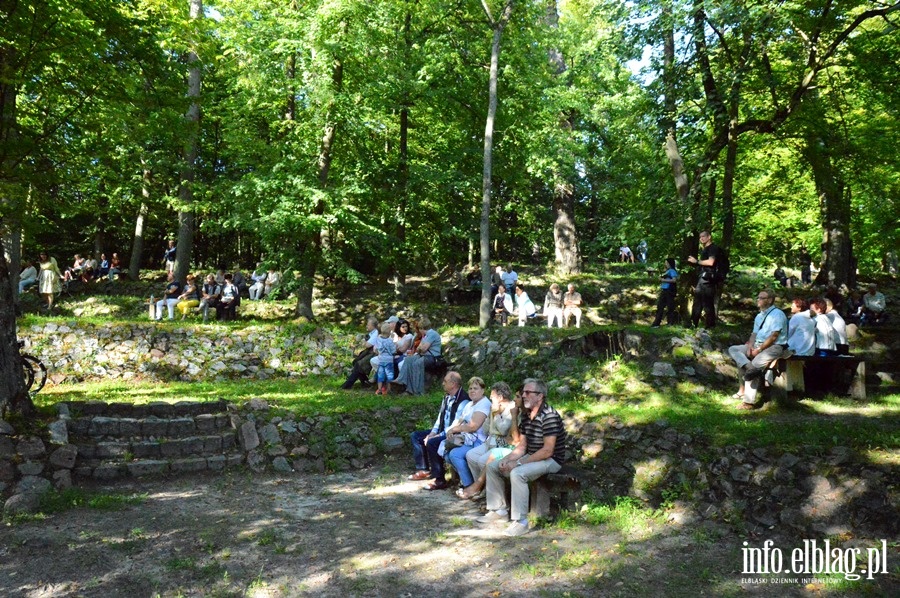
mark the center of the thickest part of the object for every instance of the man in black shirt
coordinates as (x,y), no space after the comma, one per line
(541,450)
(705,292)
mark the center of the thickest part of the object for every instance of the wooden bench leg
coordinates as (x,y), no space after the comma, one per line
(794,377)
(858,384)
(539,501)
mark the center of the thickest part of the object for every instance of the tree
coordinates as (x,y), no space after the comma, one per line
(497,26)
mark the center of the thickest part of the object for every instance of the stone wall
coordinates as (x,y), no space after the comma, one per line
(77,351)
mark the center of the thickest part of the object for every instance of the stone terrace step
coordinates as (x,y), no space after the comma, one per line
(166,449)
(101,426)
(112,470)
(157,409)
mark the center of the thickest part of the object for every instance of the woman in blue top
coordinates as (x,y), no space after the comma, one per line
(668,288)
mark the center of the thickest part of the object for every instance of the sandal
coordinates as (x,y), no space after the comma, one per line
(422,474)
(436,485)
(461,493)
(737,395)
(477,496)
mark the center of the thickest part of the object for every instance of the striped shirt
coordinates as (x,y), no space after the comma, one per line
(547,423)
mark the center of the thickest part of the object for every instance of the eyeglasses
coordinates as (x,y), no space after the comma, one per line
(531,392)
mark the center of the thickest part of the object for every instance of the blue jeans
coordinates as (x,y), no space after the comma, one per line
(426,455)
(458,459)
(385,372)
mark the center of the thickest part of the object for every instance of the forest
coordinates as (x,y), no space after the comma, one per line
(373,140)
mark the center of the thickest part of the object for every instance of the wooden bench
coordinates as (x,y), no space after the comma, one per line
(791,371)
(563,484)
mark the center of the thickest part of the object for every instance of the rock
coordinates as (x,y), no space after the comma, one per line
(788,460)
(6,428)
(31,447)
(258,405)
(7,448)
(885,377)
(31,468)
(249,439)
(663,369)
(280,464)
(59,433)
(393,443)
(32,484)
(741,473)
(268,434)
(7,471)
(28,502)
(62,479)
(256,461)
(64,457)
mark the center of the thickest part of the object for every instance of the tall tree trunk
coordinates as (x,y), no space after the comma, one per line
(728,190)
(311,249)
(12,382)
(399,247)
(11,231)
(565,234)
(137,244)
(185,190)
(834,197)
(484,312)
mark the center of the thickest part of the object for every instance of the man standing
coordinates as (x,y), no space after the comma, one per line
(169,257)
(427,452)
(805,263)
(503,305)
(572,306)
(541,450)
(705,292)
(765,345)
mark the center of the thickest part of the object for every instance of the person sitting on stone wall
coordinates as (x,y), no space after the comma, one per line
(541,450)
(28,277)
(273,279)
(502,306)
(229,300)
(361,366)
(428,445)
(209,296)
(427,356)
(190,298)
(874,307)
(572,306)
(258,277)
(553,306)
(170,297)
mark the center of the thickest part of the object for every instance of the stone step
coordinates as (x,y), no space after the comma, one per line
(113,470)
(101,426)
(166,448)
(158,409)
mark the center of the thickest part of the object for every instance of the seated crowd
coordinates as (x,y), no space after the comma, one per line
(559,307)
(487,440)
(398,351)
(815,328)
(221,292)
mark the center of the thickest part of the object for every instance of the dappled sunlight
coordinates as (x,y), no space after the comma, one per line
(177,495)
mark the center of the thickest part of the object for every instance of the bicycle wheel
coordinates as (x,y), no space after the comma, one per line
(28,374)
(38,372)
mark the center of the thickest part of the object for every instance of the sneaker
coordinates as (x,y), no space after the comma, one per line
(492,517)
(516,529)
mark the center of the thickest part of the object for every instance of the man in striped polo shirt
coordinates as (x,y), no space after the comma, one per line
(541,450)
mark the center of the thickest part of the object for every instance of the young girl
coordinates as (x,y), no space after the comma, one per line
(667,292)
(385,349)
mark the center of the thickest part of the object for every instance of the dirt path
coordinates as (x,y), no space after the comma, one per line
(368,533)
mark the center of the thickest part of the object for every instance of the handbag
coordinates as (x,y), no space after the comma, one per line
(455,440)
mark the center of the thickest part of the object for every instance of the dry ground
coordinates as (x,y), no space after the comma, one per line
(368,533)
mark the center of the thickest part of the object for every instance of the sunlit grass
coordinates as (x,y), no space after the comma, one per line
(312,395)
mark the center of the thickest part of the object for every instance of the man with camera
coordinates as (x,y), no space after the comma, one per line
(705,292)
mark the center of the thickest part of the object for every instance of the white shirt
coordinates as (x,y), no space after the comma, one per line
(824,333)
(840,327)
(802,334)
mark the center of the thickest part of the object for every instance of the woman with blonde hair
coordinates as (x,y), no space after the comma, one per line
(469,431)
(48,282)
(502,436)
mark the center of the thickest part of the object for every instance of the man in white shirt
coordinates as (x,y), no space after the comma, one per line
(874,306)
(765,345)
(510,278)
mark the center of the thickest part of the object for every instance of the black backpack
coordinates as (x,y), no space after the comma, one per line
(722,267)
